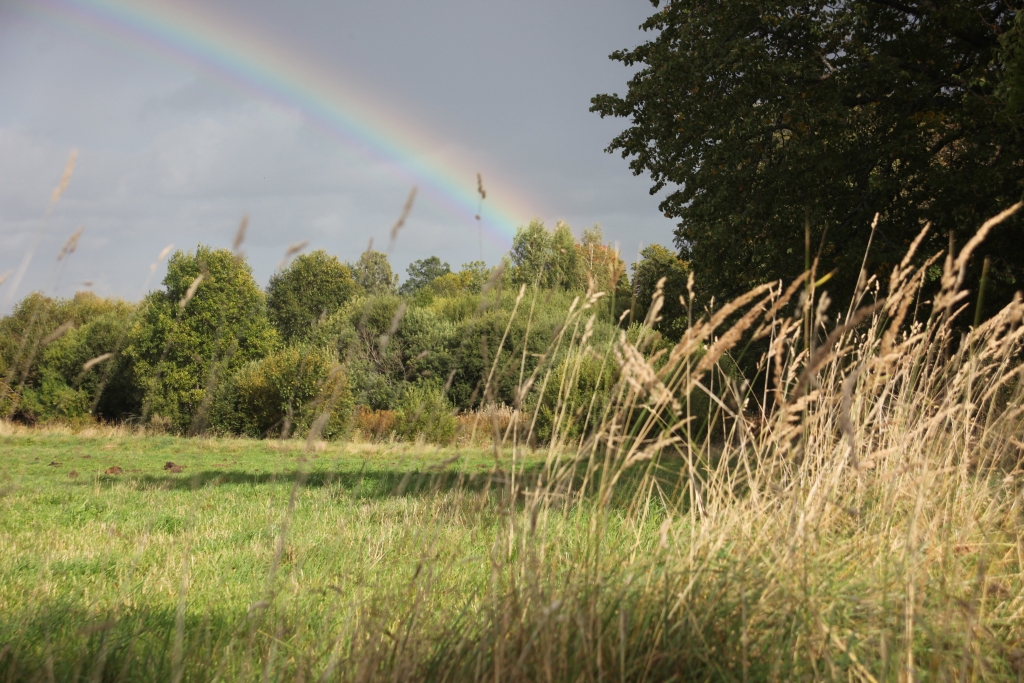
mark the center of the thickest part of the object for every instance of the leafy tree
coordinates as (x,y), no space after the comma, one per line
(45,345)
(531,251)
(546,257)
(423,272)
(312,287)
(601,263)
(373,273)
(760,115)
(285,393)
(657,262)
(475,275)
(210,319)
(565,264)
(1011,88)
(470,280)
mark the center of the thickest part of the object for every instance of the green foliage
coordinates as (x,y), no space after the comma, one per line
(757,117)
(373,273)
(1011,54)
(424,411)
(657,262)
(603,267)
(573,397)
(376,369)
(449,340)
(312,287)
(182,348)
(531,250)
(423,272)
(474,276)
(546,258)
(284,394)
(203,353)
(45,344)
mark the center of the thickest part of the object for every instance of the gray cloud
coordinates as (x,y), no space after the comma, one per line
(169,153)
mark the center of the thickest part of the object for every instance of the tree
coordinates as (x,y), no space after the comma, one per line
(759,116)
(471,279)
(548,258)
(601,263)
(423,272)
(210,319)
(373,273)
(475,275)
(531,249)
(46,346)
(312,287)
(657,262)
(1011,88)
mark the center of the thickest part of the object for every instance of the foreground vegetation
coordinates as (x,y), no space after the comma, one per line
(857,515)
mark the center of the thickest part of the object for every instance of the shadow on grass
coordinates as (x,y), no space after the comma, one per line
(370,482)
(378,483)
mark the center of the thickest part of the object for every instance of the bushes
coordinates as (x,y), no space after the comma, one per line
(313,287)
(285,394)
(572,397)
(44,347)
(211,350)
(375,424)
(425,411)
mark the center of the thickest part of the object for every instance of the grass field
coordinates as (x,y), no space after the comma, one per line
(860,520)
(249,540)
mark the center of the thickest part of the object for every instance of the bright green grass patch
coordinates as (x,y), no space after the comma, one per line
(250,540)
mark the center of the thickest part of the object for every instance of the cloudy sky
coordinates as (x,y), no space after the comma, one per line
(315,118)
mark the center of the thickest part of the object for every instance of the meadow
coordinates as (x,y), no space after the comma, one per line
(860,518)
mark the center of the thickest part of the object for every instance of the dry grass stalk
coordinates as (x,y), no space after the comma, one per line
(865,525)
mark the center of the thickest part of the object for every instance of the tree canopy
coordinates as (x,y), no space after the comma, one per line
(210,319)
(761,116)
(422,272)
(373,273)
(312,287)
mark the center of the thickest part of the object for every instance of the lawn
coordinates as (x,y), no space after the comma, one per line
(80,543)
(228,559)
(157,557)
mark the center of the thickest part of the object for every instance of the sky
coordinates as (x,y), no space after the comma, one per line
(315,118)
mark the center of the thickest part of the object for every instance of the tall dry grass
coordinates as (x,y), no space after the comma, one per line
(859,517)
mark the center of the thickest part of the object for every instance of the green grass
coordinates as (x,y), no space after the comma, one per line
(257,552)
(866,524)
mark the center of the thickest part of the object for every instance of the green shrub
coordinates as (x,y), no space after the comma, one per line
(573,397)
(181,348)
(313,287)
(704,413)
(44,346)
(285,393)
(425,411)
(53,400)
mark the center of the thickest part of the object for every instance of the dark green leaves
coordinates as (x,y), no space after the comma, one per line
(757,115)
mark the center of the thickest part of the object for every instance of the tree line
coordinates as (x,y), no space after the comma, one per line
(212,352)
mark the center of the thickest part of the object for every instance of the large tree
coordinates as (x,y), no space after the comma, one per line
(311,288)
(423,272)
(209,320)
(760,116)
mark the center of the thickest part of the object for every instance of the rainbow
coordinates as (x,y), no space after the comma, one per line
(254,64)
